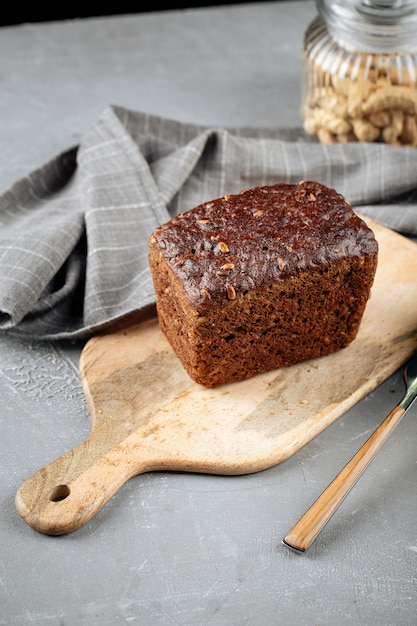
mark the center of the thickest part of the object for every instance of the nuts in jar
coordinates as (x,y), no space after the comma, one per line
(360,72)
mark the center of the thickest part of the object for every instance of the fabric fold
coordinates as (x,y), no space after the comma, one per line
(74,233)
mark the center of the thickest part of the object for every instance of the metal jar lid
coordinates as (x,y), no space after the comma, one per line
(371,25)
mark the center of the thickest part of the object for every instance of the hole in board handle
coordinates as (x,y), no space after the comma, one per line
(59,493)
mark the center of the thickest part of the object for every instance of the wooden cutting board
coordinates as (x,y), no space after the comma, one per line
(148,415)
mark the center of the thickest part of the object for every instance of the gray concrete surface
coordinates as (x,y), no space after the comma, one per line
(178,549)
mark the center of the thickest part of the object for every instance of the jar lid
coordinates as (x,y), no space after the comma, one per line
(372,25)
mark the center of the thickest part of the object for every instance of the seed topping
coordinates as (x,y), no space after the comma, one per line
(223,247)
(231,293)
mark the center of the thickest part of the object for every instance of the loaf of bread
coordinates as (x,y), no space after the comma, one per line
(263,279)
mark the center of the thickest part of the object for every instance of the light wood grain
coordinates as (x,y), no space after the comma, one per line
(148,415)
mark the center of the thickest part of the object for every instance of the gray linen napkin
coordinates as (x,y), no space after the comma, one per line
(73,234)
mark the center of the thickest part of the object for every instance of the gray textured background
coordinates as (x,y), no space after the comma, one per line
(182,549)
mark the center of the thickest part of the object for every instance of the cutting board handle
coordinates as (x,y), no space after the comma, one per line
(64,495)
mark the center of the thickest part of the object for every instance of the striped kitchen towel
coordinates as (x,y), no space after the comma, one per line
(74,233)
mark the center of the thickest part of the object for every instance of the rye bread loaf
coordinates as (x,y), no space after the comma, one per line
(263,279)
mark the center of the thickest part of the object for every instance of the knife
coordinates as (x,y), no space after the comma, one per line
(302,535)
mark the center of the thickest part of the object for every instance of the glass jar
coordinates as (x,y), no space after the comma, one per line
(360,72)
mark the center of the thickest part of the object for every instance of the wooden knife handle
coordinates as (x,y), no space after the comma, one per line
(311,523)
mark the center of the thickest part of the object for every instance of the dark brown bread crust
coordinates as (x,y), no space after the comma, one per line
(262,279)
